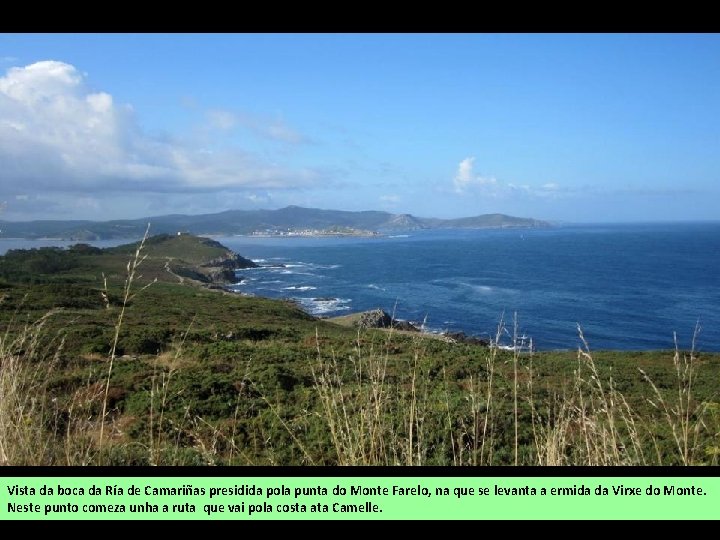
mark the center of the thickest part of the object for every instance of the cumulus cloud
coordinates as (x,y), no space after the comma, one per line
(56,134)
(466,181)
(466,177)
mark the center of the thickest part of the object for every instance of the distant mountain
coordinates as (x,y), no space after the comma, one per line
(247,221)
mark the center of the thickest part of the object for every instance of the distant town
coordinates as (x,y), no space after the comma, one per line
(332,231)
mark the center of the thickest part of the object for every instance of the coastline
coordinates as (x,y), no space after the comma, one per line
(364,234)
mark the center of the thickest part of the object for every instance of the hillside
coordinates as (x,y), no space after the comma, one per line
(247,221)
(168,258)
(109,357)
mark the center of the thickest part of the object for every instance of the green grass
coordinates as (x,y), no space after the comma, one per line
(191,249)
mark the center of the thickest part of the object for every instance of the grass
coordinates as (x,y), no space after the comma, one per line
(23,387)
(128,295)
(114,371)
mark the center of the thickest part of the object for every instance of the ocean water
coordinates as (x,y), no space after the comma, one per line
(629,287)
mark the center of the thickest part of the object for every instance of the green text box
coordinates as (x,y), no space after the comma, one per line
(250,498)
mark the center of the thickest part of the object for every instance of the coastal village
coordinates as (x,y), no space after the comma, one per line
(333,231)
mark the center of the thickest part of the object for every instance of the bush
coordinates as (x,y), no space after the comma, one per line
(147,341)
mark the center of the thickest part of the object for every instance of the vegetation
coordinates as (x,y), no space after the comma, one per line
(109,357)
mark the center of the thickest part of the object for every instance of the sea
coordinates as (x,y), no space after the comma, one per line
(626,286)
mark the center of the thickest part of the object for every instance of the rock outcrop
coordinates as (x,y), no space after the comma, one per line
(405,326)
(217,271)
(221,270)
(378,318)
(375,318)
(230,260)
(462,337)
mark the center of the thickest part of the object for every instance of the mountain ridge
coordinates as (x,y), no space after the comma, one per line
(231,222)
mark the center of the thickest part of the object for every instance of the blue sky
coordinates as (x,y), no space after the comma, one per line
(586,128)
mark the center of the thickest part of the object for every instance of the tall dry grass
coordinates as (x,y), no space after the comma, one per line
(24,403)
(594,424)
(127,296)
(685,416)
(34,429)
(377,419)
(355,410)
(590,423)
(371,419)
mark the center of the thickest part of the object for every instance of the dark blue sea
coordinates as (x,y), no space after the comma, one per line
(628,286)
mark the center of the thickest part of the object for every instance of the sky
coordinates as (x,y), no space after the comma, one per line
(568,128)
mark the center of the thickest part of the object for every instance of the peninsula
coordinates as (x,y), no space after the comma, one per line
(288,221)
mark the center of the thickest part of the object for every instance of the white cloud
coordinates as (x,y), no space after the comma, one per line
(58,135)
(466,181)
(389,201)
(466,177)
(274,129)
(259,198)
(222,120)
(280,131)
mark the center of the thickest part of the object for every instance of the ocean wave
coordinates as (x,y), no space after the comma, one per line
(376,287)
(399,236)
(314,266)
(482,289)
(485,289)
(299,288)
(322,306)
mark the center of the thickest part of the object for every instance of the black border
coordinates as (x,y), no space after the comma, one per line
(369,17)
(323,471)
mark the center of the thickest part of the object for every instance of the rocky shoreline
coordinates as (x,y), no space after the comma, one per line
(220,272)
(380,319)
(215,273)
